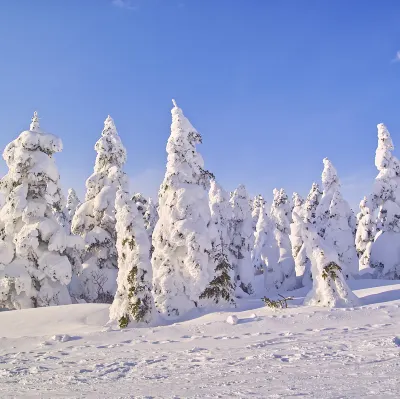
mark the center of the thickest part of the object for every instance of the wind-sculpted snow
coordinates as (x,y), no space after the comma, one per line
(297,352)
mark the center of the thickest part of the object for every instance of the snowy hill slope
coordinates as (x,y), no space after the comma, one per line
(300,351)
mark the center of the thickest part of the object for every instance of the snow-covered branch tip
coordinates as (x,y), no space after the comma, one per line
(174,103)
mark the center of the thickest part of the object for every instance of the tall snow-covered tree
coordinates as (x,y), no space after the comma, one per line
(242,240)
(311,204)
(95,220)
(336,220)
(150,220)
(33,268)
(256,207)
(329,285)
(265,254)
(365,236)
(221,290)
(133,302)
(281,215)
(385,198)
(141,203)
(182,265)
(73,203)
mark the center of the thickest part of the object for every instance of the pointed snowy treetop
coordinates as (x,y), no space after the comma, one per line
(298,201)
(35,126)
(109,127)
(280,197)
(383,155)
(240,203)
(219,203)
(258,202)
(330,179)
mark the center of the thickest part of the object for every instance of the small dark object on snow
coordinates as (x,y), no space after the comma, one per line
(279,303)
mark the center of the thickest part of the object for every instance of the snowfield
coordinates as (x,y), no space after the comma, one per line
(68,351)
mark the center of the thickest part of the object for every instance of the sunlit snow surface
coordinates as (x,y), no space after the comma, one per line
(302,351)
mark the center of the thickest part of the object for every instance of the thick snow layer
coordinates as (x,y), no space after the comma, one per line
(300,351)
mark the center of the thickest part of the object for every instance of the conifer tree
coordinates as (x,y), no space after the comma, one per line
(281,216)
(257,204)
(329,285)
(73,203)
(182,265)
(141,203)
(133,302)
(265,254)
(221,289)
(365,236)
(95,220)
(34,270)
(242,240)
(385,198)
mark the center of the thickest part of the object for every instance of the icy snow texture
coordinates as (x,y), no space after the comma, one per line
(281,216)
(182,267)
(95,221)
(329,285)
(242,240)
(33,270)
(133,300)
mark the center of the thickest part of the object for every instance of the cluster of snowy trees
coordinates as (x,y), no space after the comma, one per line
(197,247)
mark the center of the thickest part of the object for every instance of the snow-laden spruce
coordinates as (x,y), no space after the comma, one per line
(221,290)
(141,202)
(336,221)
(33,268)
(133,302)
(73,203)
(150,218)
(385,250)
(295,235)
(256,207)
(182,265)
(308,215)
(265,254)
(329,285)
(95,221)
(365,236)
(242,241)
(281,215)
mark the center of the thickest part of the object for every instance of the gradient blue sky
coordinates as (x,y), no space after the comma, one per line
(273,86)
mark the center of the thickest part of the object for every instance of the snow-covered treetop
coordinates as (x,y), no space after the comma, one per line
(184,163)
(240,203)
(219,199)
(110,150)
(34,126)
(281,210)
(383,155)
(330,180)
(311,203)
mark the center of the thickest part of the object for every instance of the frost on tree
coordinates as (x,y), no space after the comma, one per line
(365,237)
(242,241)
(182,266)
(385,198)
(281,215)
(336,221)
(141,203)
(295,234)
(221,290)
(95,220)
(133,302)
(329,285)
(265,254)
(257,204)
(150,218)
(34,270)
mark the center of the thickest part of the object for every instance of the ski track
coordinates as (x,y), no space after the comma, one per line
(296,352)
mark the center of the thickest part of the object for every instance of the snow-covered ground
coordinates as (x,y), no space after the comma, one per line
(68,352)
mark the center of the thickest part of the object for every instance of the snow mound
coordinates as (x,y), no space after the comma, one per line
(232,320)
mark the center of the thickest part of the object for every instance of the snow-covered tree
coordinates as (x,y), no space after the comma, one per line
(221,290)
(365,236)
(329,285)
(311,204)
(296,240)
(336,220)
(150,220)
(73,203)
(257,204)
(133,302)
(95,220)
(182,266)
(33,268)
(242,240)
(281,215)
(141,203)
(265,254)
(385,250)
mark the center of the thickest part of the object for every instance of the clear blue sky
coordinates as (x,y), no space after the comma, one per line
(273,86)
